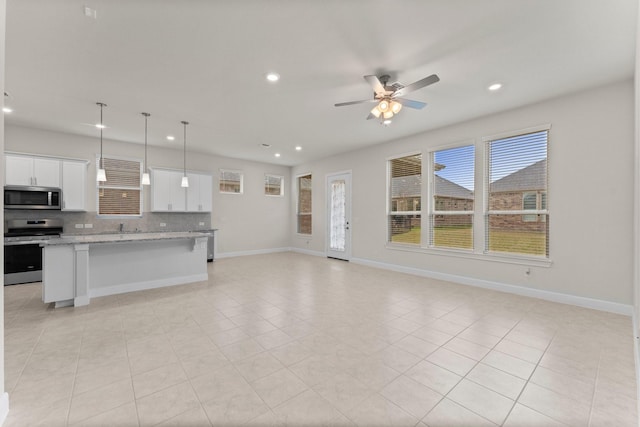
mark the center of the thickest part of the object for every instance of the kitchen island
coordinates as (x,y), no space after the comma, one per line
(77,268)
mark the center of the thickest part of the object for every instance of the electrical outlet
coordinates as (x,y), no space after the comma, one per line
(88,226)
(163,224)
(79,225)
(201,224)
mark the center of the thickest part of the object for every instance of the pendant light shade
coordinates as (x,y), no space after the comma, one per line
(145,174)
(185,179)
(101,176)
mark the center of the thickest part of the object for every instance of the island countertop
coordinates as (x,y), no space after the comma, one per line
(121,237)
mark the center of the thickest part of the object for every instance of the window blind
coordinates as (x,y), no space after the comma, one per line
(452,198)
(230,181)
(517,219)
(120,194)
(304,204)
(273,185)
(405,199)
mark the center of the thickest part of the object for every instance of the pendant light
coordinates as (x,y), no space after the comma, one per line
(101,175)
(145,175)
(185,180)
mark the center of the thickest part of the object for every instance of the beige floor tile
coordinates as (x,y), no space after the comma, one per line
(166,404)
(433,376)
(467,348)
(397,358)
(480,338)
(196,417)
(107,374)
(305,408)
(524,352)
(411,396)
(222,382)
(482,401)
(449,414)
(521,416)
(203,363)
(273,339)
(454,362)
(584,371)
(315,369)
(497,380)
(97,401)
(433,336)
(377,411)
(417,346)
(291,353)
(241,350)
(564,384)
(158,379)
(278,387)
(554,405)
(512,365)
(54,414)
(235,409)
(343,391)
(258,366)
(122,416)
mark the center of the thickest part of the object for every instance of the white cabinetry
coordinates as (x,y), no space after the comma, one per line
(29,170)
(74,185)
(199,192)
(167,195)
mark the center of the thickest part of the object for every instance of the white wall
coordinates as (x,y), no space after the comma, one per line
(248,222)
(591,192)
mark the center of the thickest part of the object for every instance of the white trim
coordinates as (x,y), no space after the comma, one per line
(252,252)
(346,254)
(221,171)
(636,353)
(401,155)
(281,184)
(149,284)
(593,303)
(4,407)
(514,133)
(308,252)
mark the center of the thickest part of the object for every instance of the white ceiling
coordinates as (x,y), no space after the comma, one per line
(204,61)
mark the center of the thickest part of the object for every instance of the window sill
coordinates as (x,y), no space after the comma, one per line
(492,257)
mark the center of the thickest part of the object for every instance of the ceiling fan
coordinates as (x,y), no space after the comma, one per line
(389,98)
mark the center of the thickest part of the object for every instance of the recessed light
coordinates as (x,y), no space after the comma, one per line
(495,86)
(7,110)
(277,154)
(273,77)
(298,148)
(171,137)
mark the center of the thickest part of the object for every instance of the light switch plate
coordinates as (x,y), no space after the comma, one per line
(201,224)
(79,225)
(163,224)
(88,226)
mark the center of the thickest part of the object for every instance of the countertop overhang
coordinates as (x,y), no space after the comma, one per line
(121,237)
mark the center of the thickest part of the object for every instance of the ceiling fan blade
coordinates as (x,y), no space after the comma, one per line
(342,104)
(416,85)
(411,103)
(370,116)
(375,83)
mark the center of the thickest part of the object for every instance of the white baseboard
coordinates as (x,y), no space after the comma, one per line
(636,353)
(593,303)
(308,252)
(4,407)
(150,284)
(253,252)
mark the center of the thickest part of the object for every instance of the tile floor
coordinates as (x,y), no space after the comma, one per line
(290,339)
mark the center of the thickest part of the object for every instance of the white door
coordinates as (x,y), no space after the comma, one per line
(339,216)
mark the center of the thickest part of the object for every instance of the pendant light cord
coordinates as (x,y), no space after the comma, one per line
(101,104)
(146,116)
(185,148)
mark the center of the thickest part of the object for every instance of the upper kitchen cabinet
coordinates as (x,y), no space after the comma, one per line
(74,185)
(29,170)
(199,192)
(167,195)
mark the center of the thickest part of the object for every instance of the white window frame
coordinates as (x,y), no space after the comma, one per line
(298,213)
(486,140)
(141,188)
(431,208)
(389,212)
(239,172)
(281,177)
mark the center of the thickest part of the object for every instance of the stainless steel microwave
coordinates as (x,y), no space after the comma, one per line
(28,197)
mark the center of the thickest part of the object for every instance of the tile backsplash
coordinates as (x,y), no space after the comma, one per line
(149,222)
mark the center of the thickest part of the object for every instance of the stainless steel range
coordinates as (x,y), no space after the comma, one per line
(22,251)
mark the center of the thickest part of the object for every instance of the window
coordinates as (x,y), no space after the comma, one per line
(517,219)
(452,195)
(304,204)
(273,185)
(405,199)
(231,181)
(121,193)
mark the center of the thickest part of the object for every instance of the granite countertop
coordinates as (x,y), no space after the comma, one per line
(121,237)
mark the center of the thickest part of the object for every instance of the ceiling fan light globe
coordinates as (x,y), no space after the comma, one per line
(383,106)
(376,112)
(387,114)
(396,107)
